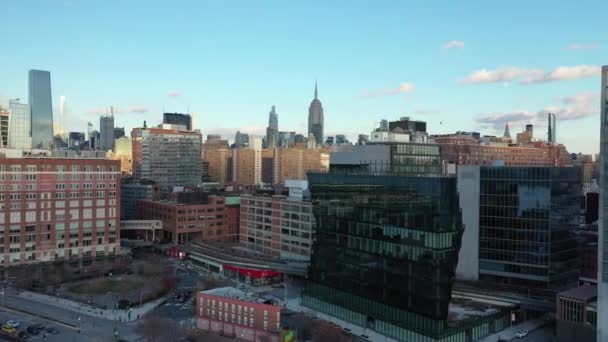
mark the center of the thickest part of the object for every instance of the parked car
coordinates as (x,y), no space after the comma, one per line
(522,334)
(52,331)
(33,330)
(8,329)
(13,323)
(23,335)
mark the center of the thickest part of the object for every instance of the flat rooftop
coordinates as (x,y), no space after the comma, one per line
(234,293)
(585,293)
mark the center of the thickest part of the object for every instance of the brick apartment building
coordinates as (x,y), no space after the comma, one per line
(192,216)
(55,208)
(230,312)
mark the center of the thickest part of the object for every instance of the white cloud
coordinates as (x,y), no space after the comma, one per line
(500,75)
(499,119)
(530,76)
(403,88)
(174,93)
(582,47)
(574,107)
(138,109)
(454,44)
(103,111)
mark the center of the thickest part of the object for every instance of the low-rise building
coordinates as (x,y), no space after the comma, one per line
(231,312)
(189,216)
(576,314)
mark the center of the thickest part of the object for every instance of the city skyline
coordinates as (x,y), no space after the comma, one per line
(457,79)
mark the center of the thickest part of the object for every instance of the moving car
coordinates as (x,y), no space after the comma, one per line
(522,334)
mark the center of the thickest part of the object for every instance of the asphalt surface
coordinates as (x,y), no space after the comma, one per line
(544,334)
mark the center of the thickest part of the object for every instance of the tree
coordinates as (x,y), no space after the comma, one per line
(303,325)
(158,329)
(325,332)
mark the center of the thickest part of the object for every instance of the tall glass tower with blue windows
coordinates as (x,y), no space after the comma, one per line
(387,244)
(41,109)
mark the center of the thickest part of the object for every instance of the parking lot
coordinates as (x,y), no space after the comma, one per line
(63,333)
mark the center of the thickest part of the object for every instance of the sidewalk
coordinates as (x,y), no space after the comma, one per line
(112,314)
(509,333)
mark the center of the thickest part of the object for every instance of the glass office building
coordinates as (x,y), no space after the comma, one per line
(19,125)
(41,108)
(386,247)
(526,215)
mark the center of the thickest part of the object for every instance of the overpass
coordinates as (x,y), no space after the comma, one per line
(139,226)
(226,254)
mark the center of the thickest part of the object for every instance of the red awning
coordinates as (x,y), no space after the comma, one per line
(252,273)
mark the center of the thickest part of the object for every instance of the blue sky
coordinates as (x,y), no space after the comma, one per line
(468,65)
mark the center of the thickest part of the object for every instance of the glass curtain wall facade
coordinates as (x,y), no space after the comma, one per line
(386,251)
(19,125)
(526,216)
(41,109)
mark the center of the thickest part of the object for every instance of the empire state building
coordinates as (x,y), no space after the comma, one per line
(315,119)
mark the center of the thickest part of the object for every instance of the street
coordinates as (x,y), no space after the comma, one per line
(544,334)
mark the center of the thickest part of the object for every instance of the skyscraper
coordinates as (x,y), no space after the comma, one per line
(272,131)
(315,119)
(41,109)
(506,134)
(602,280)
(19,126)
(106,132)
(63,117)
(4,119)
(551,128)
(241,139)
(178,119)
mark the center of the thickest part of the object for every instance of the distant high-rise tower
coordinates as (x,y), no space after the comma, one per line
(602,277)
(63,116)
(507,134)
(4,119)
(551,129)
(41,109)
(315,119)
(19,126)
(178,119)
(106,132)
(272,131)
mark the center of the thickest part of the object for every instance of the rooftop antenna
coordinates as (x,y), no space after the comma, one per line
(112,110)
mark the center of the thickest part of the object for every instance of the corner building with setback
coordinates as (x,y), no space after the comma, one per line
(387,244)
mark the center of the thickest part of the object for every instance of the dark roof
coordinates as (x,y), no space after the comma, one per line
(585,293)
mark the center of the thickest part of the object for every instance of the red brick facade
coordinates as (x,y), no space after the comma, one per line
(243,319)
(213,221)
(58,208)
